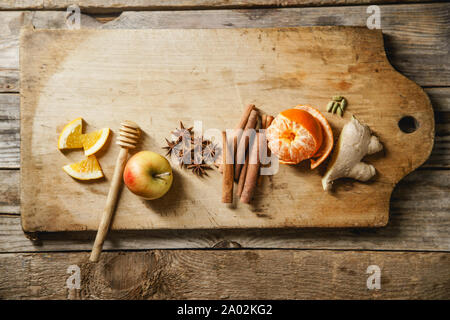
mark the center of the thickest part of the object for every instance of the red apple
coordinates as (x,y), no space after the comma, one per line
(148,175)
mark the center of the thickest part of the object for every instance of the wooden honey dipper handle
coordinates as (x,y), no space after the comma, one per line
(128,137)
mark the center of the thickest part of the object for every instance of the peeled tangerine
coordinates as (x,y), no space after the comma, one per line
(298,134)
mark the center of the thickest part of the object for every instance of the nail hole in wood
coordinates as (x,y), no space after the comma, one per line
(408,124)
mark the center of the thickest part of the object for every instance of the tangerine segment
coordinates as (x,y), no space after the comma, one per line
(70,136)
(328,140)
(87,169)
(94,141)
(308,122)
(294,135)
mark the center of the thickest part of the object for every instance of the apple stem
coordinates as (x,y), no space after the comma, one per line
(160,175)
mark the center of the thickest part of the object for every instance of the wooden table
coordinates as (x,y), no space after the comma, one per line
(412,251)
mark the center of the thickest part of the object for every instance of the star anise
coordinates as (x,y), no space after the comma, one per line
(206,143)
(184,155)
(171,145)
(211,150)
(185,150)
(182,132)
(197,141)
(199,168)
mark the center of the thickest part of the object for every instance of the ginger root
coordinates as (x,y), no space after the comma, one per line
(355,141)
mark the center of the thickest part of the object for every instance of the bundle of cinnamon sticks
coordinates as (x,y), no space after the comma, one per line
(234,168)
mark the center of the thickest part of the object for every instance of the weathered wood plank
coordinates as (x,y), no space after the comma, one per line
(10,24)
(230,274)
(416,36)
(101,6)
(10,138)
(9,191)
(419,220)
(9,131)
(440,156)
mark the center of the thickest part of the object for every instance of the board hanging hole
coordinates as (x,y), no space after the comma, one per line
(408,124)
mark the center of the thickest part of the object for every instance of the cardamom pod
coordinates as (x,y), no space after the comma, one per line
(335,107)
(330,106)
(340,111)
(338,98)
(343,104)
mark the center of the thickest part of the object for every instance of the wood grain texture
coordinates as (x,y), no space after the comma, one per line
(440,99)
(232,274)
(101,6)
(9,131)
(39,276)
(10,24)
(416,36)
(226,68)
(9,192)
(419,220)
(439,158)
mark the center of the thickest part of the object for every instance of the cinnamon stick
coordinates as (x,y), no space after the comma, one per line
(241,181)
(243,142)
(264,125)
(251,176)
(228,172)
(269,121)
(244,117)
(263,121)
(241,125)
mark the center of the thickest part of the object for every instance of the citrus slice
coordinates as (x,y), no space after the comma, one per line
(328,140)
(298,134)
(87,169)
(94,141)
(70,137)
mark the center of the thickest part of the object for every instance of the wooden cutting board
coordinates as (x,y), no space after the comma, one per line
(159,77)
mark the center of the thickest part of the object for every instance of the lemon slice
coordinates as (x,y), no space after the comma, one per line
(87,169)
(94,141)
(70,137)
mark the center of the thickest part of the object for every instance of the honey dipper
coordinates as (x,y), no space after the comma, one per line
(128,137)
